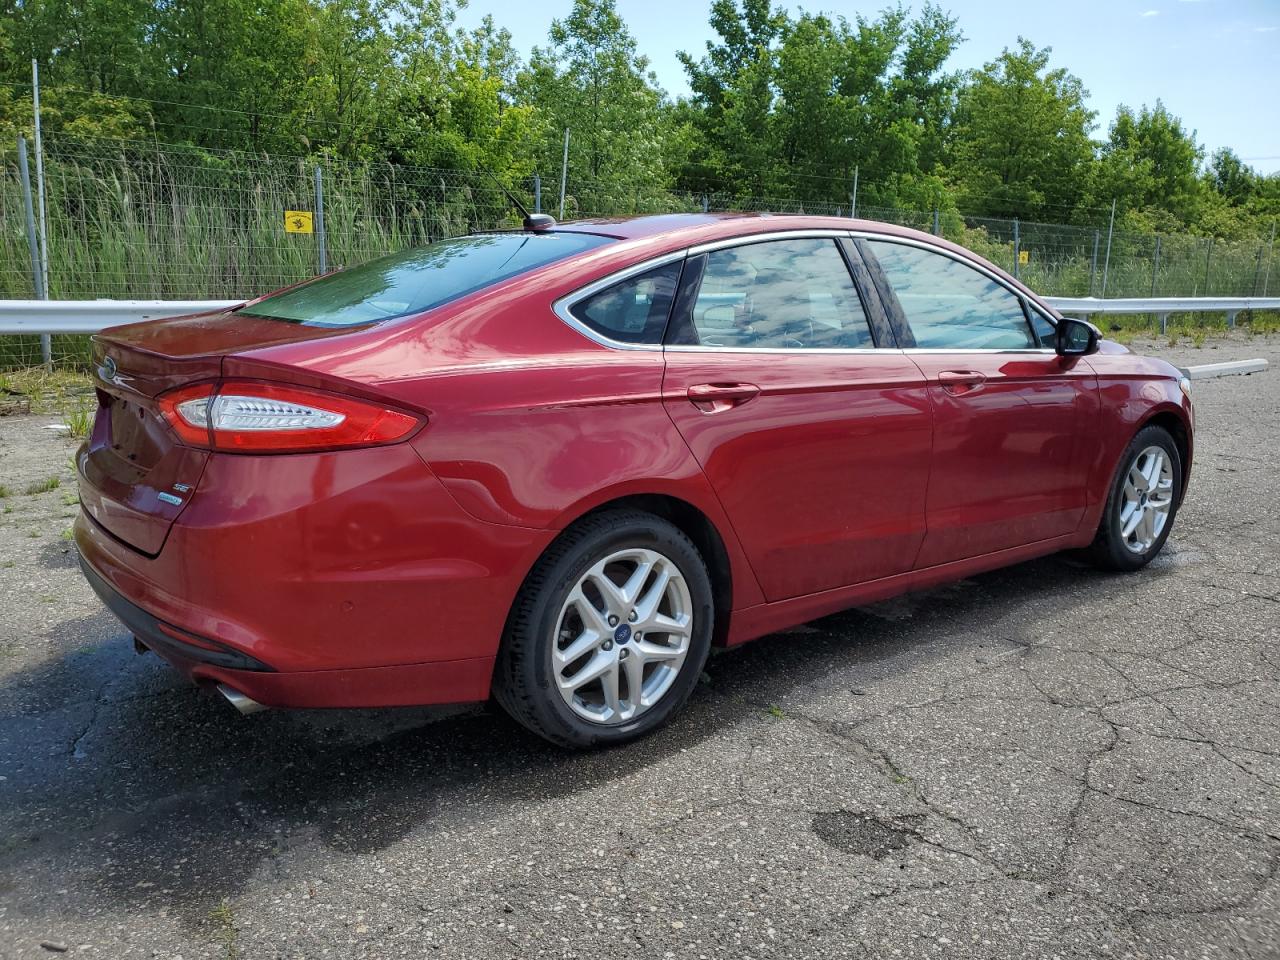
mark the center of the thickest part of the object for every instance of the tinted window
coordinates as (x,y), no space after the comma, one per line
(950,305)
(795,294)
(1043,328)
(634,310)
(419,279)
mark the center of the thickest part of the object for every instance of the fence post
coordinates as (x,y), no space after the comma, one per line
(37,277)
(1093,264)
(537,194)
(937,230)
(1017,245)
(564,171)
(1271,249)
(706,205)
(320,248)
(44,216)
(1106,263)
(1208,255)
(1155,266)
(853,195)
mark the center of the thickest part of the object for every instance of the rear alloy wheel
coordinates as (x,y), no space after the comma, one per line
(610,632)
(1142,504)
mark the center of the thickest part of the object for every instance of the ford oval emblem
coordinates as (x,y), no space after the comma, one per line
(107,371)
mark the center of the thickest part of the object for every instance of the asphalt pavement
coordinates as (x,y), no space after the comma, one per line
(1045,761)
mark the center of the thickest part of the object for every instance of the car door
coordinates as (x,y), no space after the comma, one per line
(812,427)
(1009,414)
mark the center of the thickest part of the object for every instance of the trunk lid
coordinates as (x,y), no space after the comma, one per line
(136,477)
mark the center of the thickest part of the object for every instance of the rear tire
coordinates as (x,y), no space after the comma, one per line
(609,633)
(1142,503)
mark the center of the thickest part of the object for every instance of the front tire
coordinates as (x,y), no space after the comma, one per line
(1142,503)
(609,633)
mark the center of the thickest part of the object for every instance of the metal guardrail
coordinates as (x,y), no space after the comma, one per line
(90,316)
(1162,306)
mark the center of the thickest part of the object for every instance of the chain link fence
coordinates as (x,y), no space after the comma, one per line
(144,220)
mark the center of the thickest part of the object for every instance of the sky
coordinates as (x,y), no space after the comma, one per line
(1214,63)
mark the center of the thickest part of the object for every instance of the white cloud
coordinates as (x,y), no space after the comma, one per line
(1150,13)
(1265,29)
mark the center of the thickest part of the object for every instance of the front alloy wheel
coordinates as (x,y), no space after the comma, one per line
(1147,498)
(1142,503)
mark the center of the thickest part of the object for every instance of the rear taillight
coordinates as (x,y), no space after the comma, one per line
(252,417)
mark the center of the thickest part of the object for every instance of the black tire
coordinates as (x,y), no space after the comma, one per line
(523,681)
(1109,549)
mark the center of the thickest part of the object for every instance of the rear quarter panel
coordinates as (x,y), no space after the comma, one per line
(529,422)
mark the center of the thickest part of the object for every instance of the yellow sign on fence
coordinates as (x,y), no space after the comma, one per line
(1023,255)
(297,221)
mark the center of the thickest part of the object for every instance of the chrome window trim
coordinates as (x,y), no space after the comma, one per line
(563,306)
(821,233)
(983,350)
(796,351)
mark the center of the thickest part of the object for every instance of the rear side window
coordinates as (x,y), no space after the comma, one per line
(949,304)
(416,280)
(781,294)
(633,310)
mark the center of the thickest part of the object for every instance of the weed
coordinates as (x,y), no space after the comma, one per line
(68,533)
(33,535)
(5,491)
(43,486)
(8,564)
(70,498)
(79,419)
(224,919)
(775,711)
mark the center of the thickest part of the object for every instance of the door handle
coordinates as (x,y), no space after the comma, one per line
(959,382)
(715,397)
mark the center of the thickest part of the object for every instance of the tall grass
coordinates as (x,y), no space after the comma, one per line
(139,220)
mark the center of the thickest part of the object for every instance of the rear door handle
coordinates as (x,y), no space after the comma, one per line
(715,397)
(957,382)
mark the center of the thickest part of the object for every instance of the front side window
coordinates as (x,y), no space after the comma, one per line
(1045,330)
(950,305)
(416,280)
(791,294)
(633,310)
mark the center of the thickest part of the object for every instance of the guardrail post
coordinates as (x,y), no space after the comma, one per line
(37,273)
(1164,322)
(320,250)
(1231,318)
(706,204)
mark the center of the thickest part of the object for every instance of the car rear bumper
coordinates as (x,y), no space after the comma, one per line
(328,580)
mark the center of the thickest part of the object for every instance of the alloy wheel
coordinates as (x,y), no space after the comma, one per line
(622,636)
(1146,499)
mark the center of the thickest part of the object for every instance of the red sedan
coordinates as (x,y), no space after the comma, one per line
(557,465)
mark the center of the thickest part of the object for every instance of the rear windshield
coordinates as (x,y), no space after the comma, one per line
(416,280)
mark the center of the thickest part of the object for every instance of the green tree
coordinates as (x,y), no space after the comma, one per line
(1150,162)
(591,80)
(1020,144)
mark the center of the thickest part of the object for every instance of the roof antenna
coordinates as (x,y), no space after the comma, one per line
(532,221)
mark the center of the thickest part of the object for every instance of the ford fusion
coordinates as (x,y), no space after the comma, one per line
(556,465)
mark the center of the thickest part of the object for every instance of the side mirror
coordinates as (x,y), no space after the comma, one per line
(1075,338)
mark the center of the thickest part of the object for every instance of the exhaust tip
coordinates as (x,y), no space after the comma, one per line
(245,705)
